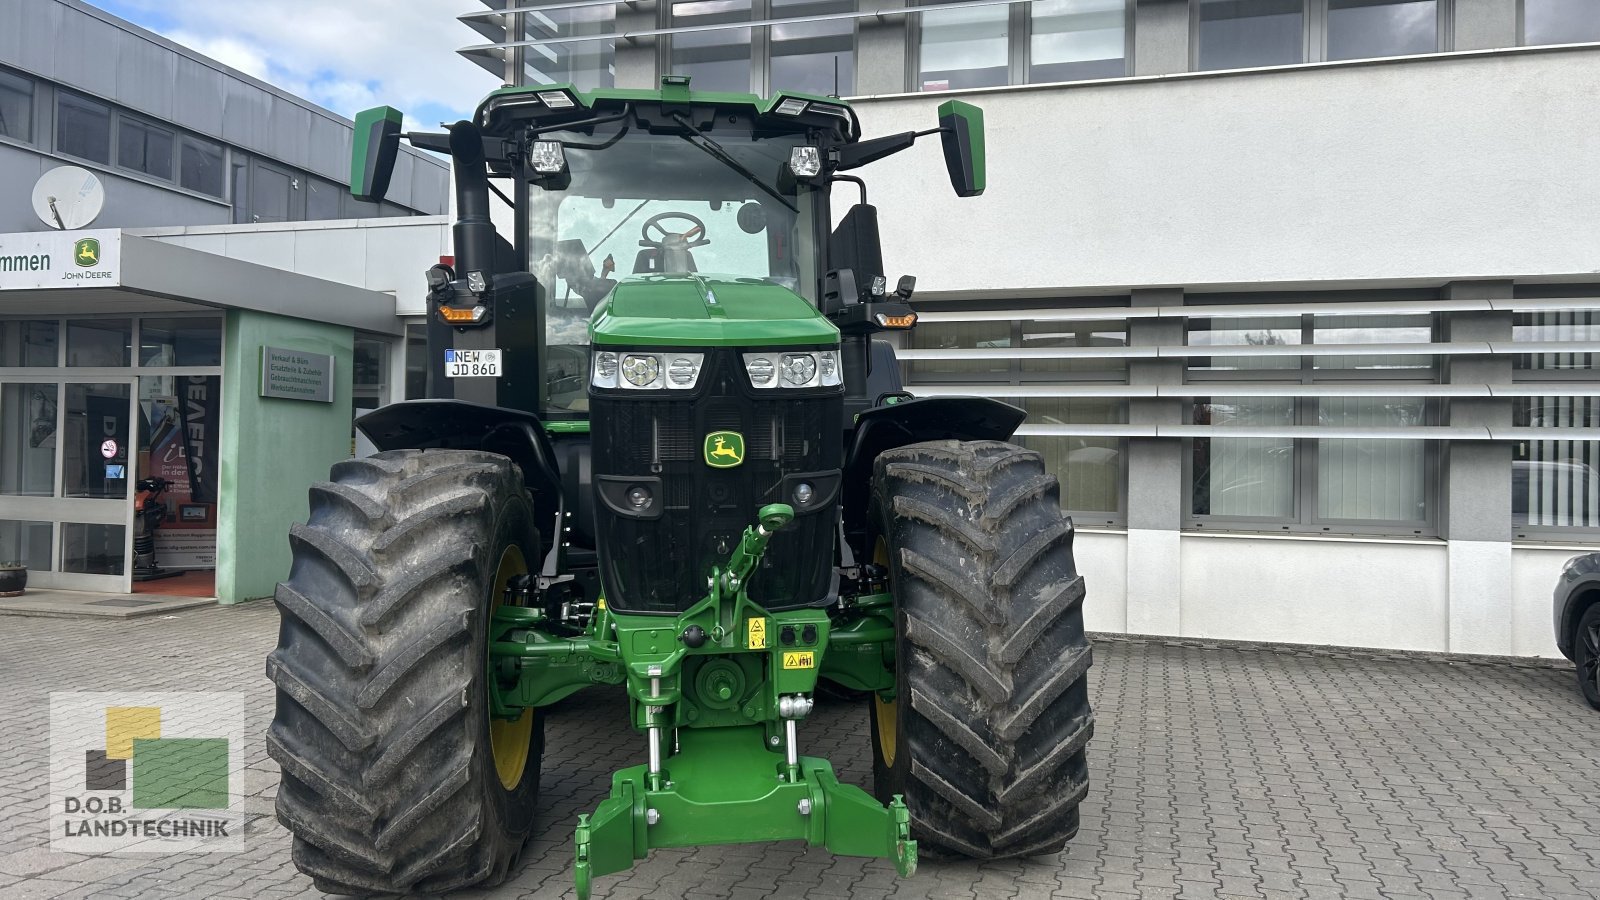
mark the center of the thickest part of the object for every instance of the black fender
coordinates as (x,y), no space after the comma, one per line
(460,425)
(911,422)
(1580,580)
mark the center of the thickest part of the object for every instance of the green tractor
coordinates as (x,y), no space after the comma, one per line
(663,451)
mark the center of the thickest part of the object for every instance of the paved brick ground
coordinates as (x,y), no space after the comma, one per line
(1216,772)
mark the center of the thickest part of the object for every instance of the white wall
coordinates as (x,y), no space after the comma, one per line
(1435,168)
(387,255)
(1102,559)
(1534,574)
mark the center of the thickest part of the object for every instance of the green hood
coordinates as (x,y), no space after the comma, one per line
(701,310)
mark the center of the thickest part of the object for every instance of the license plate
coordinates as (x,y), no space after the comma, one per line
(472,363)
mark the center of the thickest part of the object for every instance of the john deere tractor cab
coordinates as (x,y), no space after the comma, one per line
(663,453)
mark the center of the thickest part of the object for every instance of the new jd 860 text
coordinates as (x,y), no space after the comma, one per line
(662,451)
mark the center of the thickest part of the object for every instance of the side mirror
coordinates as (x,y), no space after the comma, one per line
(961,131)
(373,152)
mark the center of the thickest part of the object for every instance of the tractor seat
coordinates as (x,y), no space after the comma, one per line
(648,262)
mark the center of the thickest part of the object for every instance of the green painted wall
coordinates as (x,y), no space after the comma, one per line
(273,449)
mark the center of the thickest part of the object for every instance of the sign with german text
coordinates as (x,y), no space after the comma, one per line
(296,375)
(60,259)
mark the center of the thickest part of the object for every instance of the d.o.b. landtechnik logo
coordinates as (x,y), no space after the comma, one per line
(146,773)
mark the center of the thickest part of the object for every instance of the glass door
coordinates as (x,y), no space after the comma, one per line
(66,480)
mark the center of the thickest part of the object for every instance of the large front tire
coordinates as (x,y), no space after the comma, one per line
(395,778)
(985,737)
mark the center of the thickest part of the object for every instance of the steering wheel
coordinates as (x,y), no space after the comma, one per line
(694,237)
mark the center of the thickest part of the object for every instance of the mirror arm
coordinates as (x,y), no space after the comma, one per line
(854,156)
(429,140)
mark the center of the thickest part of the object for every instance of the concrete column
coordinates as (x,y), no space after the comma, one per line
(1485,24)
(1155,477)
(1476,519)
(882,45)
(1160,37)
(636,60)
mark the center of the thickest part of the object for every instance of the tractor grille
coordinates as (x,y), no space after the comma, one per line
(660,565)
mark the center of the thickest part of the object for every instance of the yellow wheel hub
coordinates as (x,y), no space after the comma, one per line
(885,714)
(509,738)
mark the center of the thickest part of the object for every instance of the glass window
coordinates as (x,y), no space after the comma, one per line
(965,48)
(1239,34)
(1363,29)
(1254,332)
(1560,21)
(100,342)
(322,200)
(1555,483)
(1048,335)
(717,60)
(83,128)
(1417,329)
(1248,476)
(1573,325)
(959,336)
(813,57)
(240,194)
(16,107)
(269,195)
(28,439)
(1372,479)
(29,342)
(144,148)
(587,65)
(93,549)
(201,166)
(1077,39)
(27,543)
(351,208)
(180,342)
(95,435)
(1089,468)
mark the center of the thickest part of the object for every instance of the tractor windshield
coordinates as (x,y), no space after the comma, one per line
(661,203)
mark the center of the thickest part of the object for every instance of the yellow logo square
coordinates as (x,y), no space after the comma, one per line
(126,724)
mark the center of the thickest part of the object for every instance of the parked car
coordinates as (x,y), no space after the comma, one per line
(1577,619)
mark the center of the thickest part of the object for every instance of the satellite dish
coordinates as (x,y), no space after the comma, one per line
(68,197)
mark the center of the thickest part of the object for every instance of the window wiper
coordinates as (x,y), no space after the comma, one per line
(715,151)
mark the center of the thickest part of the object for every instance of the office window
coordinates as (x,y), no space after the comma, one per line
(322,200)
(1238,34)
(1073,40)
(28,416)
(100,342)
(984,336)
(200,168)
(144,148)
(1362,29)
(239,178)
(416,351)
(717,60)
(1047,336)
(1574,326)
(965,48)
(1278,331)
(29,342)
(1278,482)
(1091,468)
(586,64)
(1345,331)
(813,57)
(180,341)
(1560,21)
(83,128)
(1555,484)
(16,107)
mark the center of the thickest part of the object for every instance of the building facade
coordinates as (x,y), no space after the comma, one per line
(1299,295)
(132,345)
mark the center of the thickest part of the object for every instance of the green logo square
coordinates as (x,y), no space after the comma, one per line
(724,449)
(180,773)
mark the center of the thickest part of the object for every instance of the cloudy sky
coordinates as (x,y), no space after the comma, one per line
(346,55)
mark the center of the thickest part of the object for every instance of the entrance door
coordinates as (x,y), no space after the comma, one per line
(66,480)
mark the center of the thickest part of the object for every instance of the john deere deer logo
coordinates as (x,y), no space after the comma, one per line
(724,449)
(86,253)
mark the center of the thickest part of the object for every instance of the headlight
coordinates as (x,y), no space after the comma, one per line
(797,370)
(647,371)
(641,371)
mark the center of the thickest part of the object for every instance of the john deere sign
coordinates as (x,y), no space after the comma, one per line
(60,259)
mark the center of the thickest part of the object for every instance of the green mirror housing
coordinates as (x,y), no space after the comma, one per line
(373,152)
(962,134)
